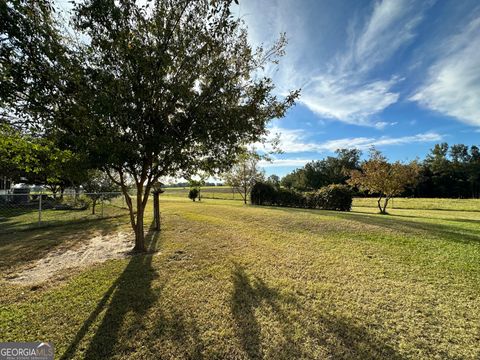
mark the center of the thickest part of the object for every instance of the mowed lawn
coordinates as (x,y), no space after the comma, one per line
(228,281)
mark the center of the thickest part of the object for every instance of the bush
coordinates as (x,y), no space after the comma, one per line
(193,194)
(310,200)
(289,198)
(334,197)
(263,194)
(331,197)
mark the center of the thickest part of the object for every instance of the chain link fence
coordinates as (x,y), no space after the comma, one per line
(30,210)
(206,192)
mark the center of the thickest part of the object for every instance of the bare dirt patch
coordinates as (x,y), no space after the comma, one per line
(96,250)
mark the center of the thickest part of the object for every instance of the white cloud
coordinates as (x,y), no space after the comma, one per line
(363,143)
(391,25)
(296,141)
(334,97)
(383,124)
(283,162)
(346,92)
(338,86)
(453,85)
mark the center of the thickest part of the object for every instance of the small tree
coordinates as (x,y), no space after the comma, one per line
(197,185)
(193,194)
(244,174)
(39,160)
(378,176)
(99,186)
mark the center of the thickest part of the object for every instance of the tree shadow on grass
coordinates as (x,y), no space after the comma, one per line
(343,339)
(130,295)
(398,223)
(247,296)
(461,220)
(449,232)
(339,337)
(178,328)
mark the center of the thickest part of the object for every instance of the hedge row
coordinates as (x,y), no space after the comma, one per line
(331,197)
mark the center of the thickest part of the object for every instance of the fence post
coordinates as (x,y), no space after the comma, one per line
(40,208)
(156,210)
(102,205)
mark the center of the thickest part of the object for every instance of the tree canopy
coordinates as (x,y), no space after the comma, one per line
(163,89)
(378,176)
(331,170)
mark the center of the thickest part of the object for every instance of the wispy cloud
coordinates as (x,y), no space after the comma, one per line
(391,25)
(348,100)
(363,143)
(346,92)
(297,141)
(345,89)
(453,84)
(284,162)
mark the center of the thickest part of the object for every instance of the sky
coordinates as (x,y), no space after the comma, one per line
(400,75)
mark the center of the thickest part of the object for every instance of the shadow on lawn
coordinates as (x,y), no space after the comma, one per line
(451,232)
(130,293)
(337,336)
(247,295)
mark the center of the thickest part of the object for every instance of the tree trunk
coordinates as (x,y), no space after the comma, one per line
(138,228)
(382,208)
(94,203)
(156,210)
(385,205)
(379,204)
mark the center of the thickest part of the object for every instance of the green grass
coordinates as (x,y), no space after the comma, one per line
(423,204)
(242,282)
(17,217)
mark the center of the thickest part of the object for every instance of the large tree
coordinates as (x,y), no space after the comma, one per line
(385,179)
(32,60)
(331,170)
(163,89)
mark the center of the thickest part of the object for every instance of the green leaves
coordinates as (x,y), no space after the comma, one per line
(170,91)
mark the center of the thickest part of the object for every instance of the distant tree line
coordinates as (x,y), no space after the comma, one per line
(447,171)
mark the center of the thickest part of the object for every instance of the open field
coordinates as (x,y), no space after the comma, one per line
(207,192)
(225,280)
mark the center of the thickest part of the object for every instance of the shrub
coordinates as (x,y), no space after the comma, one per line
(331,197)
(289,198)
(193,194)
(310,200)
(263,194)
(334,197)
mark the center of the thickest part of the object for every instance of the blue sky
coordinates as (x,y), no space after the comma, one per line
(398,74)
